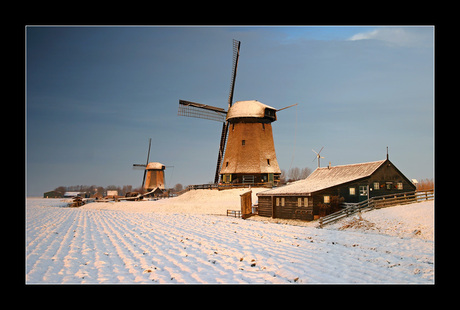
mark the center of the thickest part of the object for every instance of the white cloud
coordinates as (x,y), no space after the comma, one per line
(364,36)
(403,36)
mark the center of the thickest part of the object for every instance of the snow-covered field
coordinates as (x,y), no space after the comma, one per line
(188,240)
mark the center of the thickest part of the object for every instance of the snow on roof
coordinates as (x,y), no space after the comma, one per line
(248,108)
(323,178)
(72,194)
(155,166)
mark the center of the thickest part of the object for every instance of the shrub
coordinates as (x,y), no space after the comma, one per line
(333,206)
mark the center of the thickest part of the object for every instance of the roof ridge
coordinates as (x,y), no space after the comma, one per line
(348,165)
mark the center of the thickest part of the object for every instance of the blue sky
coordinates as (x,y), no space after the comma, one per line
(95,95)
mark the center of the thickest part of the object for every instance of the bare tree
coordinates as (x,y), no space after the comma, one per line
(283,177)
(294,174)
(178,187)
(305,173)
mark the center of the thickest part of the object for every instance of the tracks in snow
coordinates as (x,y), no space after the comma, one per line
(73,245)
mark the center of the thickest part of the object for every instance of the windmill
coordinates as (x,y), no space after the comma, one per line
(318,156)
(154,176)
(249,156)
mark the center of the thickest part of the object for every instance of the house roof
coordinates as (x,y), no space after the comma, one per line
(323,178)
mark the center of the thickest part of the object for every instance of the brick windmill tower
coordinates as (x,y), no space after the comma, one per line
(250,151)
(249,156)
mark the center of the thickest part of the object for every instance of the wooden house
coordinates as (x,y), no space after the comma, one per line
(355,183)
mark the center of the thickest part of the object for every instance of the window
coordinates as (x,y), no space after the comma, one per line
(400,185)
(327,199)
(376,185)
(301,200)
(243,142)
(268,161)
(278,200)
(363,190)
(389,186)
(352,191)
(226,178)
(226,164)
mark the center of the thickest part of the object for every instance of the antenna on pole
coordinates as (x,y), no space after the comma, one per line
(388,157)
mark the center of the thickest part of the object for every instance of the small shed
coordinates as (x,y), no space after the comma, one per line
(112,193)
(157,192)
(355,183)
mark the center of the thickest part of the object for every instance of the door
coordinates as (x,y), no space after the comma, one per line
(270,178)
(278,204)
(363,192)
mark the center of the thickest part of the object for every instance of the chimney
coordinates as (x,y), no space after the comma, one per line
(329,167)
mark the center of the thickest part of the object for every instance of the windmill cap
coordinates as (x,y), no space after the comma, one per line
(252,109)
(155,166)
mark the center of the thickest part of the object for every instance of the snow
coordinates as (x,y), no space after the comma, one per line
(193,202)
(248,108)
(408,221)
(187,240)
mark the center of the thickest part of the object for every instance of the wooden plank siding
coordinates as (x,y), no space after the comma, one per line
(288,210)
(265,206)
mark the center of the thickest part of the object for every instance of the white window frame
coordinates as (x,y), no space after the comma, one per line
(363,190)
(327,199)
(352,191)
(376,185)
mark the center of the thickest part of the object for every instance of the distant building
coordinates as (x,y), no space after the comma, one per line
(112,193)
(73,194)
(355,183)
(52,194)
(157,192)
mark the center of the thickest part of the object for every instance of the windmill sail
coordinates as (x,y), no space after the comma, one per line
(236,55)
(223,137)
(198,110)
